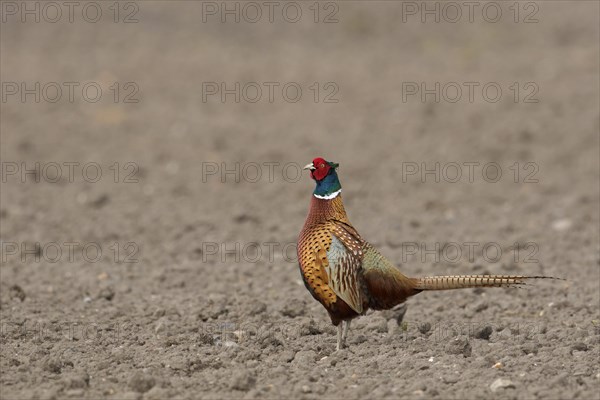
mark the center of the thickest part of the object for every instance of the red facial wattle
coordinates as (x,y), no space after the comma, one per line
(321,170)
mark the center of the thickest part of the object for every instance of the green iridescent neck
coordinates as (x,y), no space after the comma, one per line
(328,187)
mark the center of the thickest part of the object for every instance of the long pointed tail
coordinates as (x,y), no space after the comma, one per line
(473,281)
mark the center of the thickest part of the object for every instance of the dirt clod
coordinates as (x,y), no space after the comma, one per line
(305,357)
(242,380)
(459,346)
(16,292)
(141,382)
(501,383)
(484,332)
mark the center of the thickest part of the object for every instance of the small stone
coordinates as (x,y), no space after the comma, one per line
(450,379)
(498,365)
(242,380)
(501,383)
(141,382)
(87,299)
(305,389)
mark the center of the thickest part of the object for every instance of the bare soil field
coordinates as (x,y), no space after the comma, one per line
(151,197)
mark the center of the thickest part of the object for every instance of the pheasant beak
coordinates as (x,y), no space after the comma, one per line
(309,166)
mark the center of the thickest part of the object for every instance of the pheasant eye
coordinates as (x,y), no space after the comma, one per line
(322,166)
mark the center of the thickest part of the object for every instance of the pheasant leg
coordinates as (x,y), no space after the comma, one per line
(345,333)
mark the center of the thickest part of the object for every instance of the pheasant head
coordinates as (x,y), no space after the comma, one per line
(324,174)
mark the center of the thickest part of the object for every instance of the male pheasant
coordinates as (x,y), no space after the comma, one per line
(346,274)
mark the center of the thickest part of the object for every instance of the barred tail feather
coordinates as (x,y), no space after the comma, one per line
(473,281)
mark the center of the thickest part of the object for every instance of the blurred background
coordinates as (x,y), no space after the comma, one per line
(151,191)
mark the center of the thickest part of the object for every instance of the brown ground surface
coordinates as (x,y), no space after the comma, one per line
(184,322)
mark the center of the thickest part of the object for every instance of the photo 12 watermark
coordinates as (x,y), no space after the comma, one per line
(69,172)
(270,92)
(252,12)
(53,12)
(69,252)
(468,252)
(469,92)
(69,92)
(454,12)
(469,172)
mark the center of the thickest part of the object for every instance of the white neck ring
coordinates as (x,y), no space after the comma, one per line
(328,196)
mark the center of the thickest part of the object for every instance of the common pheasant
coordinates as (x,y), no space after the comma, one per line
(346,274)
